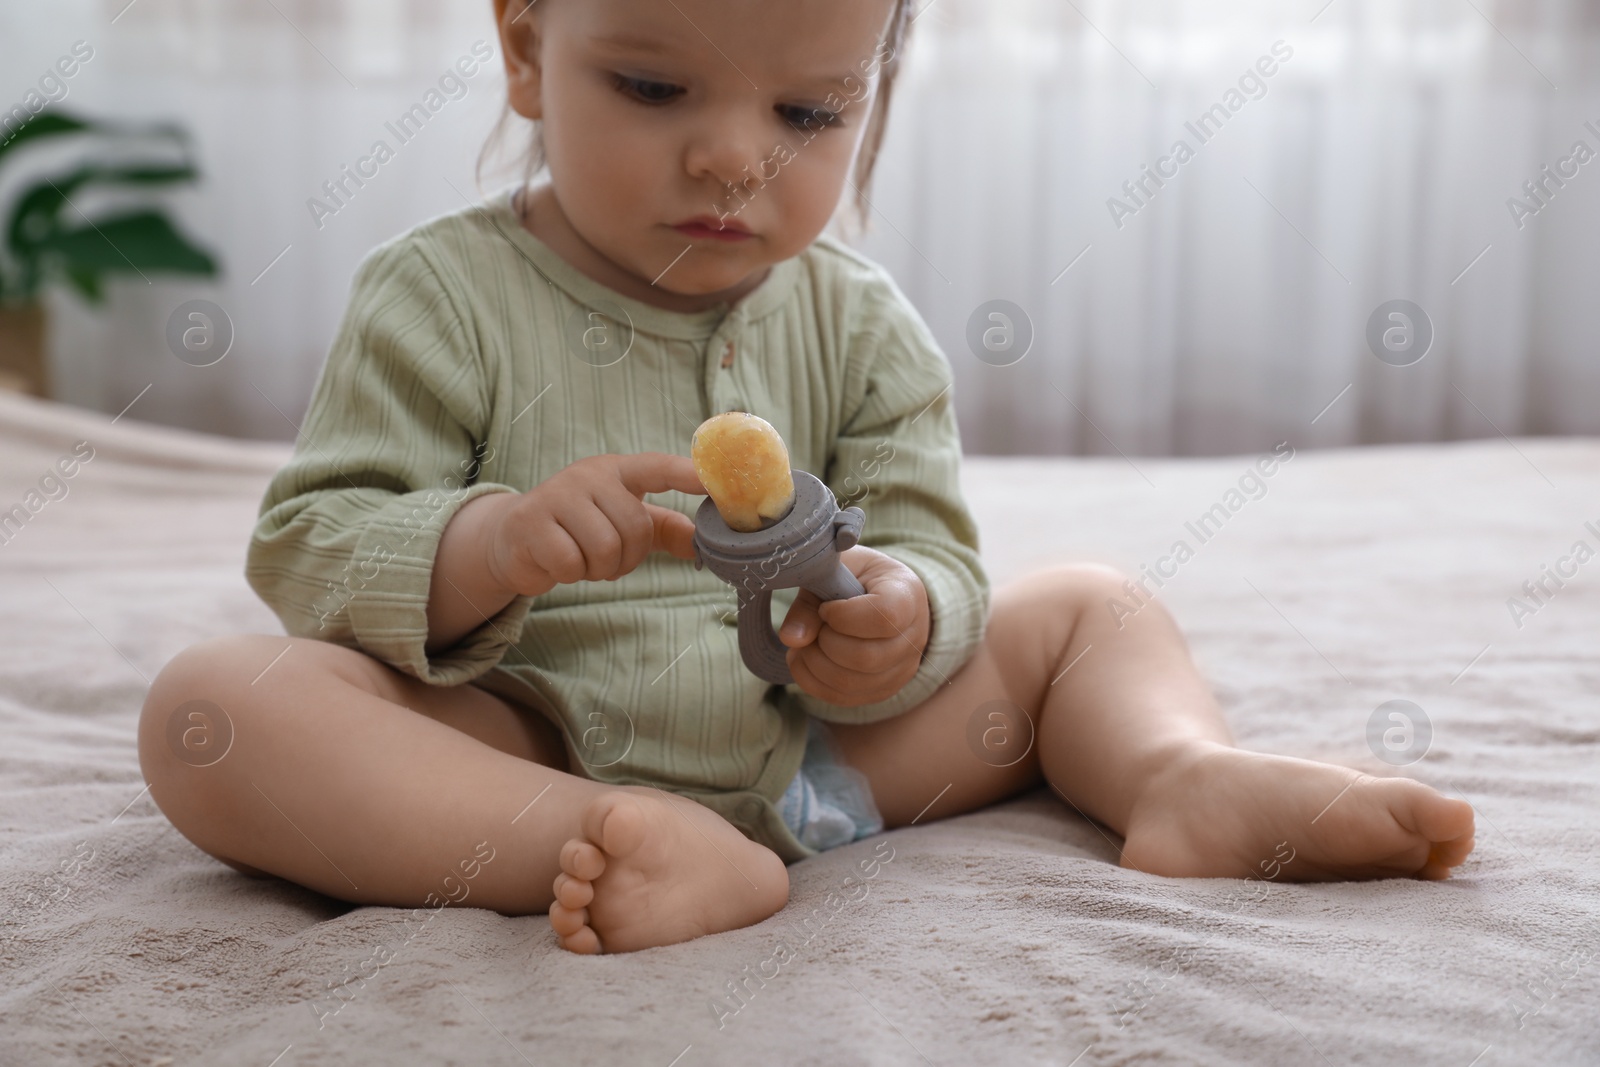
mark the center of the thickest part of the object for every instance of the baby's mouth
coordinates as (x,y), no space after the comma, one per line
(708,228)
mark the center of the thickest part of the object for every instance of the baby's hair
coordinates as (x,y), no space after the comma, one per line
(891,52)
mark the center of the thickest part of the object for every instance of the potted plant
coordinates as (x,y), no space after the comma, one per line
(49,241)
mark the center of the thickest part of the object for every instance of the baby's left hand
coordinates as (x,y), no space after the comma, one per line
(864,649)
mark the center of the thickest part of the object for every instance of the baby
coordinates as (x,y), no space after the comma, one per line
(506,684)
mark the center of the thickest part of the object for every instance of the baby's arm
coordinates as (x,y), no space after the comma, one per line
(390,451)
(897,457)
(387,532)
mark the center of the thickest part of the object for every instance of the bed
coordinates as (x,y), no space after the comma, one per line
(1008,936)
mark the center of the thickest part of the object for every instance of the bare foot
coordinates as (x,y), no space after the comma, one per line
(654,869)
(1221,812)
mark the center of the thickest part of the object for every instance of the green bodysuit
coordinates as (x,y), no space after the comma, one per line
(473,359)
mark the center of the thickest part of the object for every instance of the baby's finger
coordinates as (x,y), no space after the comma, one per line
(634,525)
(673,531)
(807,681)
(815,673)
(802,624)
(658,472)
(552,550)
(867,655)
(885,611)
(596,537)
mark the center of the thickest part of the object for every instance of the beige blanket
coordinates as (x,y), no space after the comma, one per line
(1347,579)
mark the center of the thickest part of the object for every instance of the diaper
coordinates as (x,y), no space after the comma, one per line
(828,803)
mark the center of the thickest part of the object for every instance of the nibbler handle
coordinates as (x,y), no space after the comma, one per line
(763,652)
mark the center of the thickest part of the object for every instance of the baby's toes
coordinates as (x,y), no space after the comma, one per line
(1434,872)
(616,822)
(581,860)
(1436,817)
(567,921)
(573,893)
(1451,853)
(585,942)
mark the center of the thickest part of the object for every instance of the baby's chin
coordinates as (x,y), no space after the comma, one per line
(709,279)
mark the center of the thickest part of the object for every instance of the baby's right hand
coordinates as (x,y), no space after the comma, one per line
(589,522)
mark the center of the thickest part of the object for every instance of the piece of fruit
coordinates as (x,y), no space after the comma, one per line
(744,465)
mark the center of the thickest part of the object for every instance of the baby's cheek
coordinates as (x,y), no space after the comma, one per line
(809,188)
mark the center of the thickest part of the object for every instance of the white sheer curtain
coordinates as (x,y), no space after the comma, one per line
(1231,310)
(1227,312)
(280,96)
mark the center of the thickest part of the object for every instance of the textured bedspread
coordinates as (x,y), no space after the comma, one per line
(1343,581)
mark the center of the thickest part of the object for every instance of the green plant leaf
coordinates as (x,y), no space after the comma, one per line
(44,124)
(88,284)
(53,123)
(36,215)
(43,236)
(56,123)
(137,243)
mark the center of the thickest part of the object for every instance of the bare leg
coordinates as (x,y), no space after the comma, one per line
(1129,734)
(363,783)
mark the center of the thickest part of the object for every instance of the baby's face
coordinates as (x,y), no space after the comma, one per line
(697,142)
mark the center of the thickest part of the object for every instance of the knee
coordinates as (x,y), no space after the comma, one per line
(185,730)
(186,713)
(205,699)
(196,706)
(1035,620)
(1078,587)
(220,673)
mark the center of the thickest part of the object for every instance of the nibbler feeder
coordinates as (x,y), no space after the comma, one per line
(800,550)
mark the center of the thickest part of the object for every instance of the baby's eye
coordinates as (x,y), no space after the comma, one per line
(646,91)
(802,118)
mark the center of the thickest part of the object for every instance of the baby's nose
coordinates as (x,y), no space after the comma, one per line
(729,147)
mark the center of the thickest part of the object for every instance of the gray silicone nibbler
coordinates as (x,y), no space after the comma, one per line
(801,549)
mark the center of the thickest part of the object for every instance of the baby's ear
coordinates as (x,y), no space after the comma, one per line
(521,28)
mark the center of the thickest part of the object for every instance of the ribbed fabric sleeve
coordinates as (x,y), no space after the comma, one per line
(390,450)
(898,457)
